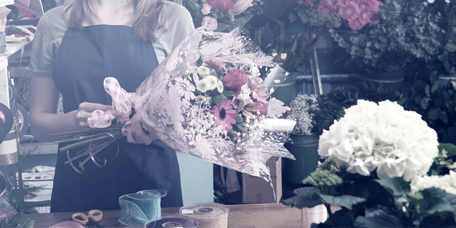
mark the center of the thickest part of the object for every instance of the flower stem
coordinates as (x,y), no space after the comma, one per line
(96,151)
(88,141)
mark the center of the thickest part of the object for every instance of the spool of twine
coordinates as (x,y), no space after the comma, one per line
(208,215)
(172,221)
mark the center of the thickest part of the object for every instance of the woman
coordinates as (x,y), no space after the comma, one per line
(75,47)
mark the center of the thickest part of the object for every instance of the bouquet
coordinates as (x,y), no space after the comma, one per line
(206,99)
(377,162)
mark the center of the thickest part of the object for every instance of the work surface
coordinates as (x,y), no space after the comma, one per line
(243,215)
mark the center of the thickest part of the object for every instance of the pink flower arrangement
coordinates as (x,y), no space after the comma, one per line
(355,13)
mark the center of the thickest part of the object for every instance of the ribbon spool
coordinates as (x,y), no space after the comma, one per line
(8,139)
(172,221)
(142,206)
(208,215)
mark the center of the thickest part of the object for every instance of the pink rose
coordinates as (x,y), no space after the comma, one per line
(206,9)
(210,23)
(235,79)
(221,5)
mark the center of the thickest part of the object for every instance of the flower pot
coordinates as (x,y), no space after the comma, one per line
(391,79)
(305,149)
(286,90)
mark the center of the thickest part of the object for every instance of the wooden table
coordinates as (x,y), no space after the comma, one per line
(243,215)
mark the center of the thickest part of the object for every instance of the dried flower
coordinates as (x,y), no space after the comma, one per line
(303,109)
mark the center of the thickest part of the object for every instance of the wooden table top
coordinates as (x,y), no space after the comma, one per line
(243,215)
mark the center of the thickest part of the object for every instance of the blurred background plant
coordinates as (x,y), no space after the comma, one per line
(407,30)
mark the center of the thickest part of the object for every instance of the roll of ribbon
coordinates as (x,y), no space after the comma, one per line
(172,221)
(208,215)
(149,202)
(141,207)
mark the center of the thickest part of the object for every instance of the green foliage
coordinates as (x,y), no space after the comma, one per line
(346,201)
(435,102)
(444,162)
(377,218)
(333,103)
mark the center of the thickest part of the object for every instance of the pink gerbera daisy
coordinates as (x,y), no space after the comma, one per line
(363,4)
(349,11)
(225,114)
(364,16)
(355,24)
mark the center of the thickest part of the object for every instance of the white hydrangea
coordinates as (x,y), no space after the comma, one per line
(383,137)
(446,182)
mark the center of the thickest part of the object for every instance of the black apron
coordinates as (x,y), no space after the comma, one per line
(84,59)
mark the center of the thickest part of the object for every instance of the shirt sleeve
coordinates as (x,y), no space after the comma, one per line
(180,24)
(48,36)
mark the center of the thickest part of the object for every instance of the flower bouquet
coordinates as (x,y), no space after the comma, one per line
(377,161)
(206,99)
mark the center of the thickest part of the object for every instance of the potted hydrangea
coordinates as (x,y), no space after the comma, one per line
(378,157)
(303,142)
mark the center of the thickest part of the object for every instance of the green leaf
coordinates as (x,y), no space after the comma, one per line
(450,47)
(218,98)
(308,199)
(241,127)
(397,186)
(444,117)
(346,201)
(378,218)
(239,119)
(434,113)
(436,86)
(450,148)
(437,200)
(427,90)
(228,93)
(240,106)
(424,103)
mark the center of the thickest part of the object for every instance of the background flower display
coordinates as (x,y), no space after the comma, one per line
(407,31)
(205,99)
(376,170)
(334,13)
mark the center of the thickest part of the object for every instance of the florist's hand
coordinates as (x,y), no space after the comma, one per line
(139,132)
(85,111)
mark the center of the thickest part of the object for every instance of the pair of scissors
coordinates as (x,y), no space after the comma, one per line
(91,219)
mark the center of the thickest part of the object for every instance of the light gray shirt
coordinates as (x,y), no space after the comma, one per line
(53,25)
